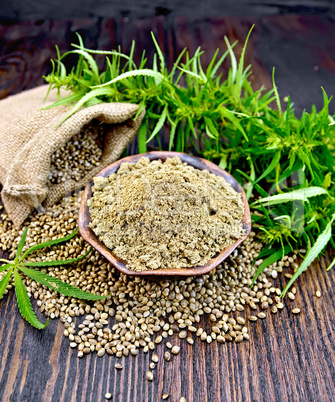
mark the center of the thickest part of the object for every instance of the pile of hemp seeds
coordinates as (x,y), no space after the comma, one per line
(80,155)
(139,313)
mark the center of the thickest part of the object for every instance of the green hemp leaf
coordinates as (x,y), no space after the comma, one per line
(18,265)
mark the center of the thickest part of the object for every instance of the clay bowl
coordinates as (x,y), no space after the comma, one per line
(198,163)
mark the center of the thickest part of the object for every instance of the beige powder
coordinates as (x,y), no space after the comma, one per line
(165,215)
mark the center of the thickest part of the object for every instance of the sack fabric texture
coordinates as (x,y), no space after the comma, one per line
(29,136)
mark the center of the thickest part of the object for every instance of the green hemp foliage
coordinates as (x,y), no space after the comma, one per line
(285,159)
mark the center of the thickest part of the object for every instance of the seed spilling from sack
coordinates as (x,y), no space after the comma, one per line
(165,214)
(80,155)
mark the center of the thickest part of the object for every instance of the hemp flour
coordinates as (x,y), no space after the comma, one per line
(165,214)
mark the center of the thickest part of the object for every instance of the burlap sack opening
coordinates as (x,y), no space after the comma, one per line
(29,136)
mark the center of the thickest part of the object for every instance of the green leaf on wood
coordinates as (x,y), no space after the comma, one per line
(312,254)
(60,286)
(4,282)
(24,303)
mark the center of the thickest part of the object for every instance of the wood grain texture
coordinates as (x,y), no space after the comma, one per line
(288,358)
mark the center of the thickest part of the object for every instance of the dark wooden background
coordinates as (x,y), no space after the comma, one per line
(288,358)
(36,9)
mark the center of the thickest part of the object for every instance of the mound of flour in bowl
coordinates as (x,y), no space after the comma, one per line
(165,214)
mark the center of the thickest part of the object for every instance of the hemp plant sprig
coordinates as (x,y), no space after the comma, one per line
(224,119)
(18,265)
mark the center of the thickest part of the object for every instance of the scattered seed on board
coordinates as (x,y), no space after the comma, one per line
(155,358)
(175,350)
(239,338)
(167,356)
(101,352)
(182,334)
(108,395)
(165,396)
(318,293)
(220,339)
(150,376)
(118,366)
(261,315)
(274,309)
(240,320)
(182,399)
(152,365)
(296,311)
(159,339)
(221,293)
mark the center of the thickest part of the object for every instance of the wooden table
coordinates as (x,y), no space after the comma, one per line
(288,358)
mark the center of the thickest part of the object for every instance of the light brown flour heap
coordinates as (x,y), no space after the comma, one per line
(165,215)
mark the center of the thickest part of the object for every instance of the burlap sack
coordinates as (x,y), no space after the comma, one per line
(29,136)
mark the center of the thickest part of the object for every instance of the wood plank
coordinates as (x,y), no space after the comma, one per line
(287,358)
